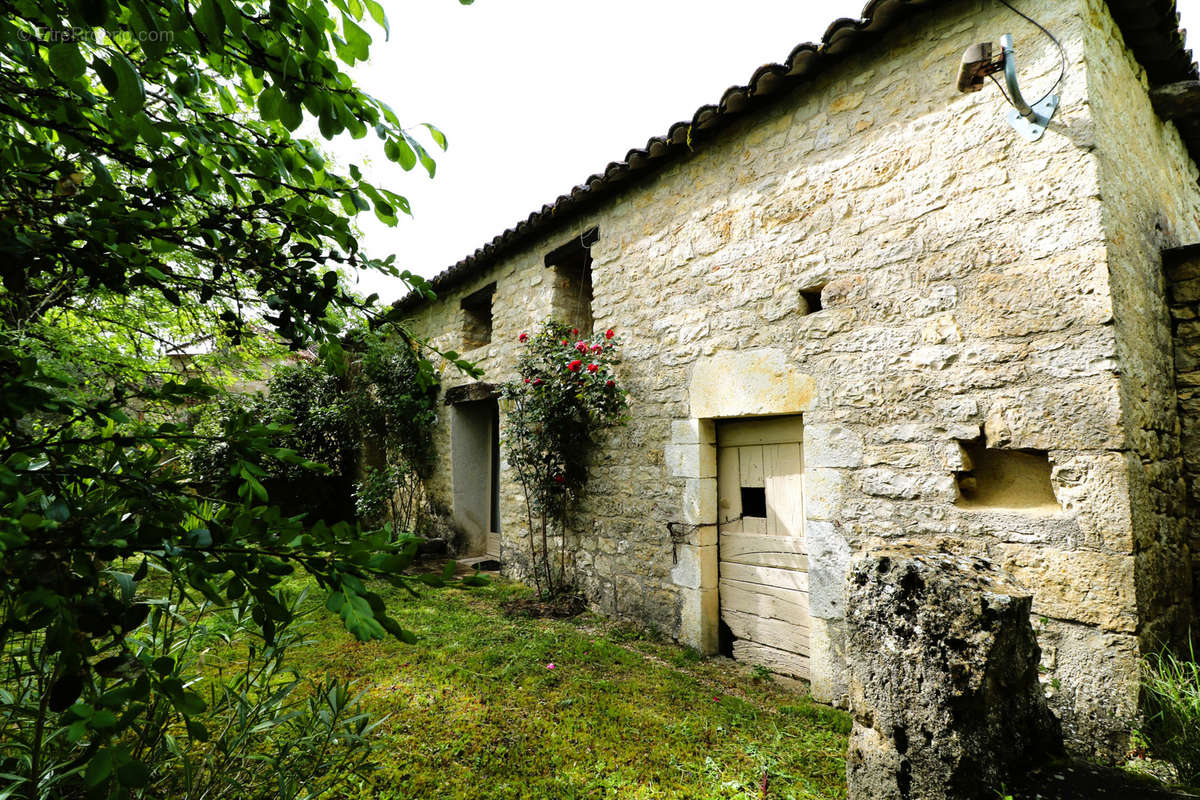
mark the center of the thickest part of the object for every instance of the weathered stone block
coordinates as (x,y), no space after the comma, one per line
(828,563)
(831,446)
(695,567)
(1091,683)
(822,494)
(691,460)
(827,659)
(693,431)
(943,678)
(700,501)
(699,614)
(1078,586)
(748,383)
(1094,487)
(1070,416)
(906,485)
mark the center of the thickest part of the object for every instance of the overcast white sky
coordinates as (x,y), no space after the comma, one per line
(536,95)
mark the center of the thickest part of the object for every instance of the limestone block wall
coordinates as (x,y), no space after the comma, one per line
(1183,292)
(971,284)
(1152,202)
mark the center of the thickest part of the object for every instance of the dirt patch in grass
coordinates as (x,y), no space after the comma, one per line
(560,606)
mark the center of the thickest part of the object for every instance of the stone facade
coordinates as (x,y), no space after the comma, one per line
(1183,289)
(975,290)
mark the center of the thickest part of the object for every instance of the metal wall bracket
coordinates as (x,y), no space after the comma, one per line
(1029,121)
(1043,112)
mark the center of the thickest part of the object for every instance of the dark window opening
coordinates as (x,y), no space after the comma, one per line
(572,265)
(811,299)
(754,501)
(494,499)
(477,317)
(1005,479)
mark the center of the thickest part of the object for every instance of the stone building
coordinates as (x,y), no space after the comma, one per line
(858,306)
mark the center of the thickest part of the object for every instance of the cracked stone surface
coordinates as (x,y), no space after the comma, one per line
(943,678)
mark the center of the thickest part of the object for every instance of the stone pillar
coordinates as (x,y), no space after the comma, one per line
(943,678)
(692,456)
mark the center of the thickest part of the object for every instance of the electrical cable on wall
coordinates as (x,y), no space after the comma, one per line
(1062,53)
(1030,120)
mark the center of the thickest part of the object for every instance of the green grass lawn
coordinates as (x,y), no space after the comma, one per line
(475,710)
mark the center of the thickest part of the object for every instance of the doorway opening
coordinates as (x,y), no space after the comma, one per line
(475,465)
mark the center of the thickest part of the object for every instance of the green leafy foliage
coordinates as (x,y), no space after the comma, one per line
(566,392)
(1171,688)
(374,396)
(395,396)
(154,194)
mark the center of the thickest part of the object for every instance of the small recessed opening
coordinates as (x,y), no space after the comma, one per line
(572,265)
(754,501)
(810,299)
(477,317)
(1005,479)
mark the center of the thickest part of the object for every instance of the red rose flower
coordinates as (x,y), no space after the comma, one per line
(537,381)
(575,365)
(524,337)
(593,367)
(527,380)
(609,384)
(608,334)
(574,331)
(581,347)
(564,342)
(559,479)
(596,348)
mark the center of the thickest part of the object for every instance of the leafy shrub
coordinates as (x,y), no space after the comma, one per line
(379,403)
(396,399)
(239,723)
(567,391)
(395,394)
(392,497)
(1171,689)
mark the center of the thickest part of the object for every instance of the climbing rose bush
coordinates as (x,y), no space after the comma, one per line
(567,391)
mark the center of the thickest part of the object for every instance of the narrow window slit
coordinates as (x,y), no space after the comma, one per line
(810,299)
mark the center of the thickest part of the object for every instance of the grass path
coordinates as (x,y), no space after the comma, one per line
(477,711)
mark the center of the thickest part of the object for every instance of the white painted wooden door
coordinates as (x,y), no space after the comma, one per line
(762,559)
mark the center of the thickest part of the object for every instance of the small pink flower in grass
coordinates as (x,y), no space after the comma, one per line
(550,665)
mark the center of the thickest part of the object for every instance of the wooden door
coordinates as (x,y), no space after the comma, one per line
(762,559)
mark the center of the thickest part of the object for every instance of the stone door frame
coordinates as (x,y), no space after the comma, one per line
(740,385)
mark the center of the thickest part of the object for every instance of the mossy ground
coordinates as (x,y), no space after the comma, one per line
(475,710)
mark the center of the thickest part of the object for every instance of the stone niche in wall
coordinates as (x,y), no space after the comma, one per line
(1000,479)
